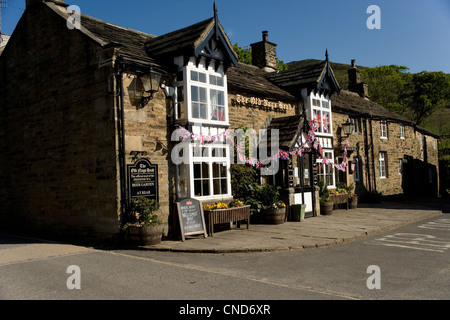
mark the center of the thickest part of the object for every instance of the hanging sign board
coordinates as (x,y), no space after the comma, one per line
(192,221)
(143,179)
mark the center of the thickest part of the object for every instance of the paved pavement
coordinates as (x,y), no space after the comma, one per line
(340,227)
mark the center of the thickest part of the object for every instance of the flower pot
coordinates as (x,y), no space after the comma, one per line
(326,208)
(145,236)
(353,203)
(298,212)
(273,216)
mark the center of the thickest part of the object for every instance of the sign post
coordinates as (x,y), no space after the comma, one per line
(191,218)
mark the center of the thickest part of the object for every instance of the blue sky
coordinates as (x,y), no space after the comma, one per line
(414,33)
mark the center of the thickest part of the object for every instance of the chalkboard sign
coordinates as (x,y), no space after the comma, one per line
(143,179)
(192,221)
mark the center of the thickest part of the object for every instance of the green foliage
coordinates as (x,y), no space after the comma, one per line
(324,193)
(415,96)
(244,54)
(142,212)
(389,86)
(244,186)
(431,91)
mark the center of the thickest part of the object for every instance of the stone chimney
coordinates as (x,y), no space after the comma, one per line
(354,81)
(264,54)
(32,3)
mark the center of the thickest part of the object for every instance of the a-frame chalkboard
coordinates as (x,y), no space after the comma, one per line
(191,218)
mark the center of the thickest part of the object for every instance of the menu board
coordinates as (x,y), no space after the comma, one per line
(190,214)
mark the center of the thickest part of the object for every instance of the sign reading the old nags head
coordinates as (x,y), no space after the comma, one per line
(277,106)
(143,179)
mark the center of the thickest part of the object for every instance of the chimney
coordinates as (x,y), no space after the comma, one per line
(264,54)
(32,3)
(354,81)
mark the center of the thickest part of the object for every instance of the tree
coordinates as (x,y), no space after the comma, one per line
(389,86)
(431,91)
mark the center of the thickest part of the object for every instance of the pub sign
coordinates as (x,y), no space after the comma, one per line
(143,179)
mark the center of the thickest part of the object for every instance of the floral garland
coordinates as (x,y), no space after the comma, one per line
(281,154)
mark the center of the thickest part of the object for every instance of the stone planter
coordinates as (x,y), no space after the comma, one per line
(273,216)
(326,208)
(229,215)
(145,236)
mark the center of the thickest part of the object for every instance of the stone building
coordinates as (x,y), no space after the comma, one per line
(81,108)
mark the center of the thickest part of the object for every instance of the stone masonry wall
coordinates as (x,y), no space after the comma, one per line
(396,149)
(57,133)
(149,129)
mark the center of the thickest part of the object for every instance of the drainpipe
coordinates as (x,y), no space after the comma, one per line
(121,139)
(366,152)
(373,157)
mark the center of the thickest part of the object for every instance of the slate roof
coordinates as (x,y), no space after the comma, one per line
(289,128)
(353,104)
(251,79)
(298,77)
(317,76)
(179,41)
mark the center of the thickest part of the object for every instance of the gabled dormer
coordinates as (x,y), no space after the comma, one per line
(204,40)
(202,54)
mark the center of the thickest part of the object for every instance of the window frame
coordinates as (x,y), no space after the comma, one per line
(402,132)
(321,109)
(321,167)
(207,156)
(383,124)
(382,161)
(215,81)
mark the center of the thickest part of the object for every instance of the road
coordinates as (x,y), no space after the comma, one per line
(412,262)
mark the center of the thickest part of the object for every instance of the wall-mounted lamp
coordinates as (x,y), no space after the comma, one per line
(150,82)
(348,127)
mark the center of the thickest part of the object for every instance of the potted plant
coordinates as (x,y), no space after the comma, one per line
(326,205)
(353,201)
(273,210)
(145,227)
(326,202)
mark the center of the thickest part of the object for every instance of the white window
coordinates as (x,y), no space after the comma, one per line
(325,172)
(357,124)
(210,171)
(383,168)
(207,174)
(201,94)
(400,166)
(321,114)
(402,131)
(383,129)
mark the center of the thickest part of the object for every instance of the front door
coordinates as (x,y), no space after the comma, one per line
(304,185)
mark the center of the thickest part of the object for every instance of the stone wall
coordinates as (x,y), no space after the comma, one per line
(57,132)
(255,116)
(149,129)
(396,149)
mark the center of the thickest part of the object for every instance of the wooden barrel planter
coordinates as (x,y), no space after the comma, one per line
(145,236)
(326,208)
(273,216)
(220,216)
(353,203)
